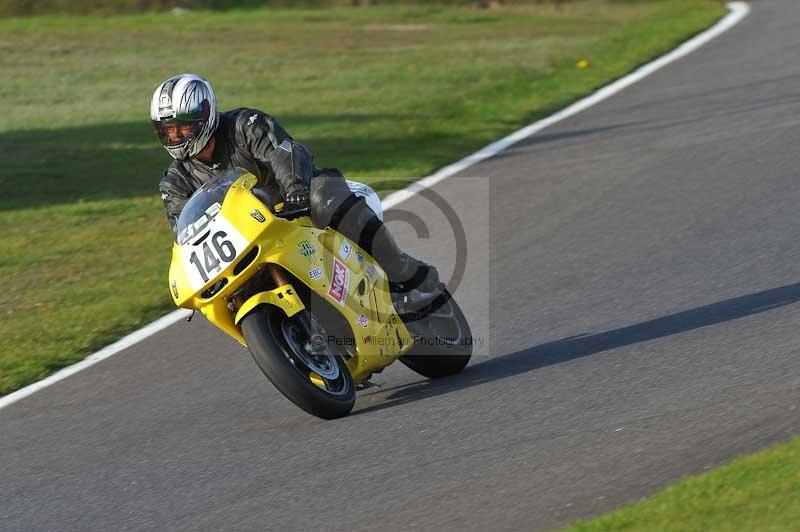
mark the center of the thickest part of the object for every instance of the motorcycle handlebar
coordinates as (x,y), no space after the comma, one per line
(293,213)
(285,214)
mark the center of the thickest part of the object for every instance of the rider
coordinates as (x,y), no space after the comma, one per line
(206,145)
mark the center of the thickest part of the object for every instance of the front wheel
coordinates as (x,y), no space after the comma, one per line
(442,340)
(319,383)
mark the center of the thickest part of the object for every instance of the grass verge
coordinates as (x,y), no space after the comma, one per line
(757,492)
(388,91)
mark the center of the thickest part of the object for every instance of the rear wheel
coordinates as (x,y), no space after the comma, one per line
(442,339)
(317,382)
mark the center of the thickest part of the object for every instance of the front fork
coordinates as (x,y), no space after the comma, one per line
(313,332)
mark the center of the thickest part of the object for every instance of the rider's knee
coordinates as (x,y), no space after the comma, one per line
(328,194)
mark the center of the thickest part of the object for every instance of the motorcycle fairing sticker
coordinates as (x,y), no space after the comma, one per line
(345,250)
(204,260)
(339,282)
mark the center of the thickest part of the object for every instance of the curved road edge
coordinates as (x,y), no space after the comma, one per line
(737,11)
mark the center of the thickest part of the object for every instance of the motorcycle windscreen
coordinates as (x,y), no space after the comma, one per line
(202,208)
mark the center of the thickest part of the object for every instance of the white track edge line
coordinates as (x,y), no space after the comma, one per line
(737,11)
(127,341)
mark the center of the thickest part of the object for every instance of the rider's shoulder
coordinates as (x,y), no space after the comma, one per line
(248,124)
(247,117)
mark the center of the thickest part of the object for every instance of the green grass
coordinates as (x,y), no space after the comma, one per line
(389,91)
(759,492)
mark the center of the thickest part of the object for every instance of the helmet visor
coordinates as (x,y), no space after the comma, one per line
(182,128)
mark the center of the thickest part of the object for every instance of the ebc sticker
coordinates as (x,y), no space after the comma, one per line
(339,282)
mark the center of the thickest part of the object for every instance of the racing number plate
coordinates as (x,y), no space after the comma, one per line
(206,259)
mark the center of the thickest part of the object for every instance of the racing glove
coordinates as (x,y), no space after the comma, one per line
(297,196)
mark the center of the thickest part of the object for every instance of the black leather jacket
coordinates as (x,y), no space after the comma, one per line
(245,138)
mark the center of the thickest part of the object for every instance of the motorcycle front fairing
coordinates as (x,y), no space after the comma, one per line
(229,234)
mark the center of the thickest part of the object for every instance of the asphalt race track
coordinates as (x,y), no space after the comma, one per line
(633,272)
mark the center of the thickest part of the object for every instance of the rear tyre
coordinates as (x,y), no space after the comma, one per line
(318,383)
(442,340)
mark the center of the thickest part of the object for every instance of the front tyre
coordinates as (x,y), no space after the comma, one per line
(318,383)
(442,340)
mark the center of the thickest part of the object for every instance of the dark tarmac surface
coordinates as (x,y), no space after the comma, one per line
(632,271)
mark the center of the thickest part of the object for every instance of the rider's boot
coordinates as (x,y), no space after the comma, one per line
(414,282)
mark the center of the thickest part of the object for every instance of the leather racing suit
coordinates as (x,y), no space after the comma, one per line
(253,140)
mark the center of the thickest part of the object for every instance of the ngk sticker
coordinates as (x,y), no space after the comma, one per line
(339,282)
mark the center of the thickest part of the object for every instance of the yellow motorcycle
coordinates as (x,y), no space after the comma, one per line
(316,312)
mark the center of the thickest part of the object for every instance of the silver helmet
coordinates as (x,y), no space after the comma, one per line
(184,115)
